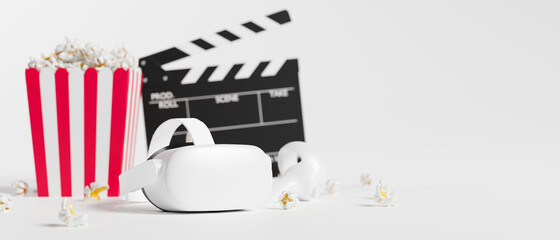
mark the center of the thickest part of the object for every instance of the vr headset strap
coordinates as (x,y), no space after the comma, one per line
(145,173)
(197,130)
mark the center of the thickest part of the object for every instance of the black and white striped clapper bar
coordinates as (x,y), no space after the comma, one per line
(254,103)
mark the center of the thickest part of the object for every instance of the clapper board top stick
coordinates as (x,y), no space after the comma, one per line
(256,103)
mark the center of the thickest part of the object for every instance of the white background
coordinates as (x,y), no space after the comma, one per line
(455,103)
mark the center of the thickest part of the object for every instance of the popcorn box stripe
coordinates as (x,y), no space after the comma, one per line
(136,116)
(130,111)
(136,100)
(90,117)
(131,135)
(128,129)
(104,104)
(83,127)
(35,114)
(77,130)
(63,124)
(118,124)
(48,103)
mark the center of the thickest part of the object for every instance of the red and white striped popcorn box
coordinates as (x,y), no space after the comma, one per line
(83,125)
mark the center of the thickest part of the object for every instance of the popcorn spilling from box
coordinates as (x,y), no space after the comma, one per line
(289,200)
(5,202)
(383,197)
(20,188)
(332,186)
(366,179)
(93,190)
(68,216)
(72,54)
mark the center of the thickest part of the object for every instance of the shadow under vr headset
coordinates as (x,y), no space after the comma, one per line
(200,177)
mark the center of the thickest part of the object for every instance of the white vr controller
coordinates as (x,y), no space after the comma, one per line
(301,171)
(218,177)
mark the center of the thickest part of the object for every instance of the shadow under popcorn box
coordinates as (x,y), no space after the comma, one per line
(83,126)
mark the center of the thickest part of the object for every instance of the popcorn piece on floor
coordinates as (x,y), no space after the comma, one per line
(366,179)
(383,197)
(5,202)
(20,188)
(92,191)
(332,186)
(289,200)
(68,216)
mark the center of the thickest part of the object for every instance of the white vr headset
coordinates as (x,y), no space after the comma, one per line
(219,177)
(201,177)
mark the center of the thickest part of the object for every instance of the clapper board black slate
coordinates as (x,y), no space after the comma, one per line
(262,109)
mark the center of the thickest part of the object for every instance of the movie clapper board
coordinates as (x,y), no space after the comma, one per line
(246,103)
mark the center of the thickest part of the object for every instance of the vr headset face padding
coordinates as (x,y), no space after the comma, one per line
(201,177)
